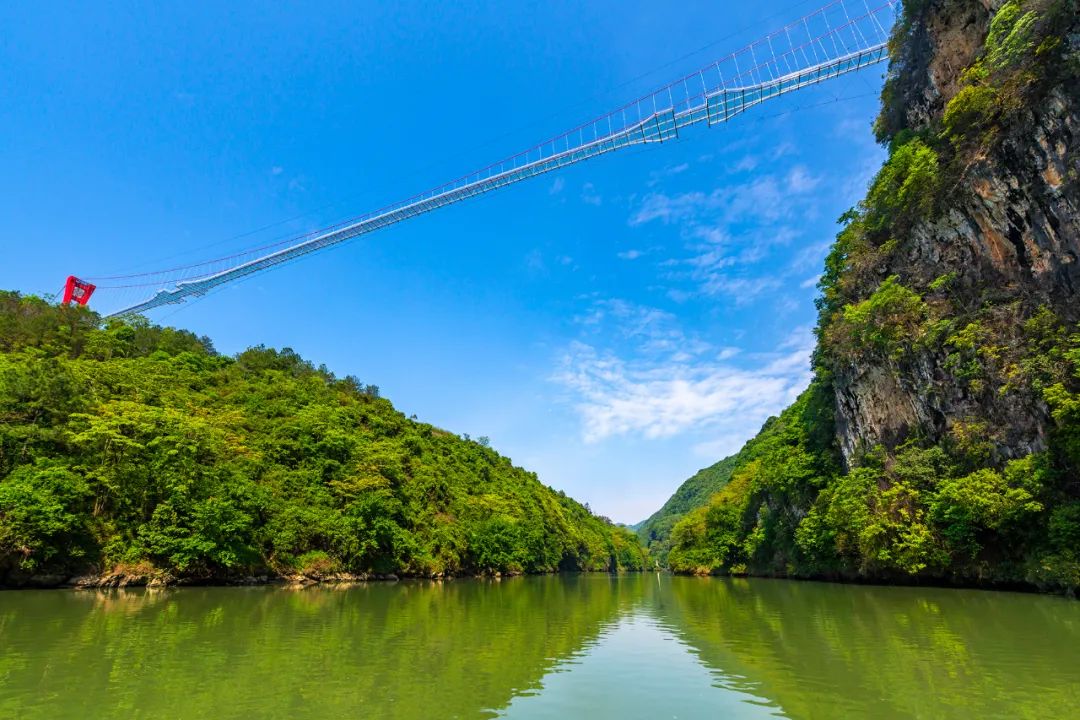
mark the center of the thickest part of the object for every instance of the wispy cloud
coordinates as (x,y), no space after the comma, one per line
(742,289)
(589,196)
(784,149)
(799,180)
(747,163)
(718,264)
(762,199)
(669,208)
(657,176)
(734,227)
(630,255)
(650,330)
(557,186)
(615,396)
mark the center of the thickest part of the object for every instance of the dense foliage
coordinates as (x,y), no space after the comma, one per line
(941,510)
(750,524)
(127,444)
(948,507)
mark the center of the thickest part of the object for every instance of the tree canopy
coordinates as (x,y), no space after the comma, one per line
(125,444)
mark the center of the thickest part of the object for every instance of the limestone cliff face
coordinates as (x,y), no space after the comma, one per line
(947,370)
(1008,228)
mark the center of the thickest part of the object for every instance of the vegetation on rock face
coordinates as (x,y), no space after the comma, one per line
(127,444)
(946,502)
(940,510)
(750,525)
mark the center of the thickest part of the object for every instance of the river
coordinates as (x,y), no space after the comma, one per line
(592,646)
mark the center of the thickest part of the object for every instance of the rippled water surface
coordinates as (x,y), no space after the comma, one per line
(594,646)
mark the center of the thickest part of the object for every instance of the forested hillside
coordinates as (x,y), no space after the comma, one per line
(655,532)
(137,451)
(940,438)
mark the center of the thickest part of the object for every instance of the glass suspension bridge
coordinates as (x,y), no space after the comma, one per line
(839,38)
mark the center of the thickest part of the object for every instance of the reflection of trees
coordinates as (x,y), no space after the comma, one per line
(826,651)
(465,648)
(453,649)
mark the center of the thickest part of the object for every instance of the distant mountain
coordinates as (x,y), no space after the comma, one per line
(655,532)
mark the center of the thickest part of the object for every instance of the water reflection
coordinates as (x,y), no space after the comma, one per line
(408,650)
(638,668)
(826,651)
(594,645)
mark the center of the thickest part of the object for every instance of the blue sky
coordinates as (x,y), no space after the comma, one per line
(614,326)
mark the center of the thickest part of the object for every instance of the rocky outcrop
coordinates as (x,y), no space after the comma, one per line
(940,438)
(924,70)
(1009,231)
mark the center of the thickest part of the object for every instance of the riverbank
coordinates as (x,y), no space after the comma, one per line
(123,579)
(133,578)
(899,581)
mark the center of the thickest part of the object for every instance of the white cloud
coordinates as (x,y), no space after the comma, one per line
(761,199)
(557,186)
(650,330)
(630,255)
(786,305)
(616,397)
(668,209)
(747,163)
(810,257)
(670,171)
(783,149)
(729,230)
(741,289)
(589,196)
(719,265)
(799,180)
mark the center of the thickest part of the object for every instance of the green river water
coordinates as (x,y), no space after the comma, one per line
(590,646)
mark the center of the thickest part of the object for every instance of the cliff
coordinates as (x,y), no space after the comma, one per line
(940,439)
(1004,228)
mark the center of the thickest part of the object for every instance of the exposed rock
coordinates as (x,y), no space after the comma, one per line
(1011,234)
(924,71)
